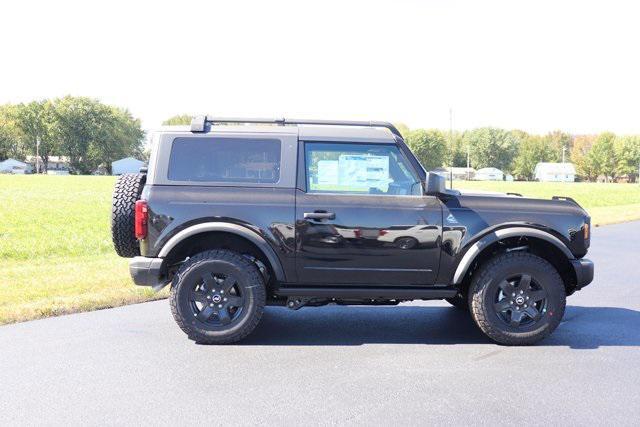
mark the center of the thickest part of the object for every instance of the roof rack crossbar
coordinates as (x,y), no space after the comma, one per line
(199,123)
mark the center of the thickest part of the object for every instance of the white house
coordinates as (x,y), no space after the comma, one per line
(56,165)
(126,165)
(489,174)
(14,166)
(558,172)
(457,172)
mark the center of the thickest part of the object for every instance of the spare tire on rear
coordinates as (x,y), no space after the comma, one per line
(125,194)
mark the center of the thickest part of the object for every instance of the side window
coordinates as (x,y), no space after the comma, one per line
(359,169)
(225,160)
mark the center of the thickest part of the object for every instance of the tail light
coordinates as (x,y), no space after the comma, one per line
(141,219)
(383,232)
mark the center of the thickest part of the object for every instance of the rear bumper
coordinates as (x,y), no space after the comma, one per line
(584,272)
(146,271)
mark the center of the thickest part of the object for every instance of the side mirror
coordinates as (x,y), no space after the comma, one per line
(436,184)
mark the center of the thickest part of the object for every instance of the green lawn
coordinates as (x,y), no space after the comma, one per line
(56,254)
(55,248)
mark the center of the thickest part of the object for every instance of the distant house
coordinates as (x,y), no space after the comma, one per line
(556,172)
(458,173)
(489,174)
(14,166)
(126,165)
(56,165)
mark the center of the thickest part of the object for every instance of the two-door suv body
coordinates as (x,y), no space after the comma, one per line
(305,213)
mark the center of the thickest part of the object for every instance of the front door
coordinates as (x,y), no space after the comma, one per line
(361,218)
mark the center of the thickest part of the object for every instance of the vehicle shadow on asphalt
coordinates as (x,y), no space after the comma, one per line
(581,328)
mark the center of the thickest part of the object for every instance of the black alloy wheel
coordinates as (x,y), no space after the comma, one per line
(217,297)
(517,298)
(520,301)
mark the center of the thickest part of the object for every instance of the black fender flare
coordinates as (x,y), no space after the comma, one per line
(503,233)
(227,227)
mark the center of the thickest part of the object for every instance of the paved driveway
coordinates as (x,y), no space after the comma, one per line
(414,364)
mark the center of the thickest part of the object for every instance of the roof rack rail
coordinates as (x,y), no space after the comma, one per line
(199,123)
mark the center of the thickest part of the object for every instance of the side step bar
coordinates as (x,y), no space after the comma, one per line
(367,293)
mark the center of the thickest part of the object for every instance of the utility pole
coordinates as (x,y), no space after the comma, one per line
(564,148)
(468,165)
(37,154)
(451,147)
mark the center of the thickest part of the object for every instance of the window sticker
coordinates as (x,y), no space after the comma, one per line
(361,172)
(328,172)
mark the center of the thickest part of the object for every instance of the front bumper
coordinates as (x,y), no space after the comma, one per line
(584,272)
(147,272)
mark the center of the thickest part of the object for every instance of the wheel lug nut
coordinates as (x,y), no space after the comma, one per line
(511,302)
(208,296)
(224,299)
(513,294)
(527,297)
(525,306)
(222,292)
(521,292)
(219,305)
(210,305)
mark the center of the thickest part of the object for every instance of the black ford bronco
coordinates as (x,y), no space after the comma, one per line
(237,214)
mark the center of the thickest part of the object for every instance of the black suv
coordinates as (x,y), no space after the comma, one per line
(306,213)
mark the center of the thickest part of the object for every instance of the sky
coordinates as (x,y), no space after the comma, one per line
(530,65)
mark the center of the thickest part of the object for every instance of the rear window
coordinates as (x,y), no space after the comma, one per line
(225,160)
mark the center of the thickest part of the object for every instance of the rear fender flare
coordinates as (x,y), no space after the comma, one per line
(467,260)
(227,227)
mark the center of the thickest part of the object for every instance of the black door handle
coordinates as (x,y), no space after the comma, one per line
(319,215)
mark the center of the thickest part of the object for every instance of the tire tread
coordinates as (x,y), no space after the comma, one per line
(481,316)
(255,279)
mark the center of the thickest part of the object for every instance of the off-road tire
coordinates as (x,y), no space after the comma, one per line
(249,279)
(459,302)
(125,194)
(491,274)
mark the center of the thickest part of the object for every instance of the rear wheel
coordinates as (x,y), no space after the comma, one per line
(517,298)
(217,297)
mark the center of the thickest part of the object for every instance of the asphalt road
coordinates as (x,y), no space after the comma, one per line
(413,364)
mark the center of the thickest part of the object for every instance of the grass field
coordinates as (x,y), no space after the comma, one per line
(56,254)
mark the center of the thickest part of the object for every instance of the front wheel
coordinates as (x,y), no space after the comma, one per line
(517,298)
(217,297)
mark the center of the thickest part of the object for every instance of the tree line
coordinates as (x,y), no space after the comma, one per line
(517,152)
(605,155)
(88,133)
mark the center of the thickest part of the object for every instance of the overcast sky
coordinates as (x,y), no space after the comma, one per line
(536,65)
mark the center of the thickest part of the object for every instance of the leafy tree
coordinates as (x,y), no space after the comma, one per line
(532,149)
(118,135)
(181,119)
(93,134)
(429,146)
(602,155)
(456,150)
(34,121)
(10,136)
(403,128)
(580,157)
(627,152)
(491,147)
(556,141)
